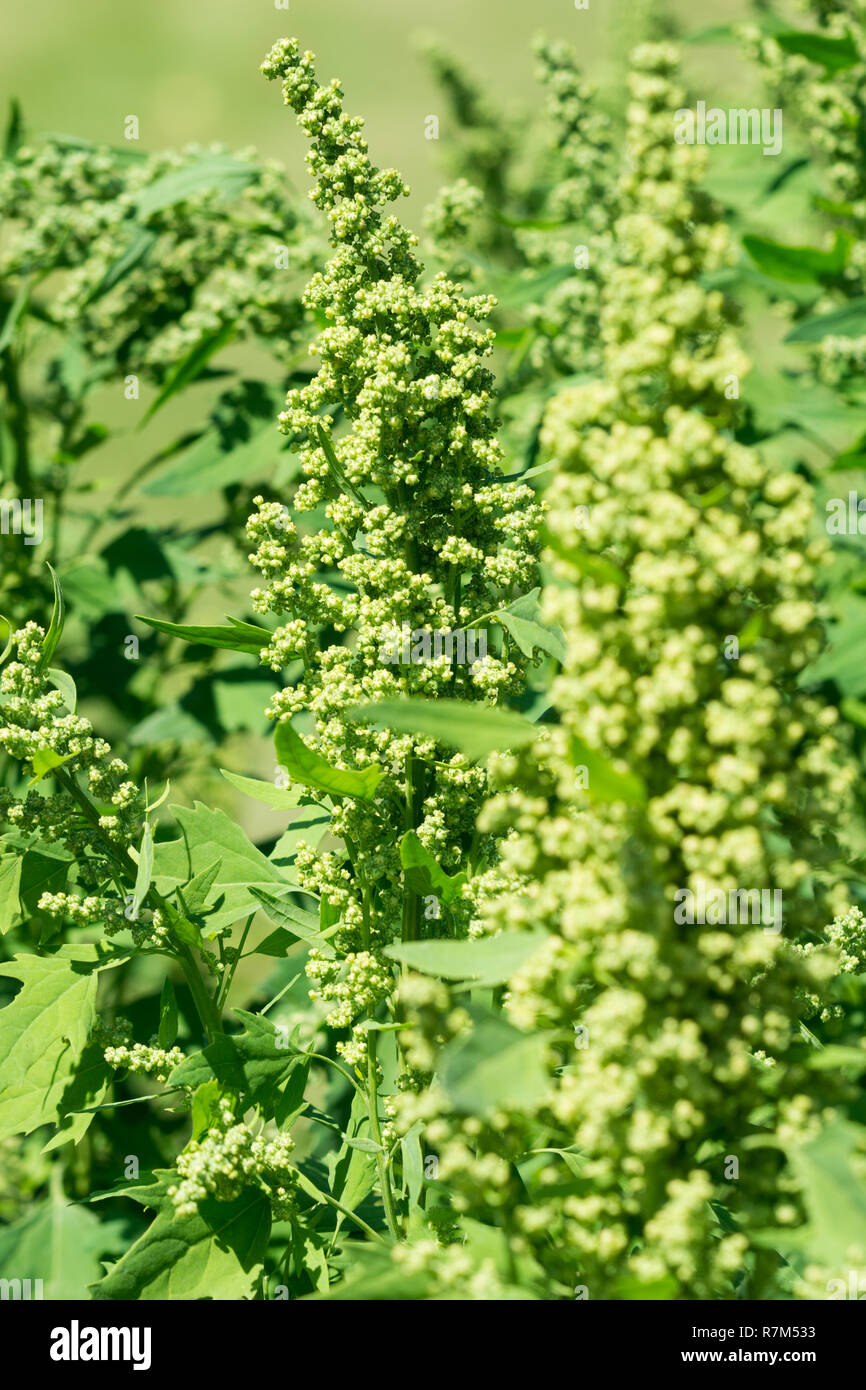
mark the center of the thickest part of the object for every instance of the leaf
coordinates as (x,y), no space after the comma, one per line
(208,465)
(13,136)
(834,54)
(494,1066)
(216,1254)
(189,367)
(52,636)
(221,173)
(44,760)
(282,798)
(207,836)
(522,620)
(848,321)
(834,1194)
(308,767)
(423,875)
(60,1244)
(344,483)
(137,251)
(14,315)
(799,263)
(413,1163)
(239,637)
(476,730)
(253,1064)
(604,781)
(490,961)
(520,290)
(43,1033)
(145,868)
(294,925)
(10,883)
(167,1035)
(63,682)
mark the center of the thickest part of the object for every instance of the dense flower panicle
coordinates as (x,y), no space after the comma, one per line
(828,107)
(669,539)
(418,528)
(143,284)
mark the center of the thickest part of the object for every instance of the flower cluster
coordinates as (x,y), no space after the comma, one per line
(155,260)
(828,107)
(228,1159)
(140,1059)
(416,526)
(720,769)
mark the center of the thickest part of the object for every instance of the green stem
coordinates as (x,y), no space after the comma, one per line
(376,1135)
(17,423)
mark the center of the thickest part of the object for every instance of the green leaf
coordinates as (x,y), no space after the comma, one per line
(44,760)
(490,961)
(308,767)
(494,1066)
(221,173)
(476,730)
(52,637)
(10,883)
(207,836)
(137,251)
(522,619)
(14,315)
(294,925)
(208,464)
(145,868)
(253,1064)
(423,875)
(343,483)
(520,290)
(834,1194)
(849,321)
(167,1015)
(805,264)
(43,1033)
(413,1163)
(60,1243)
(239,637)
(604,781)
(189,367)
(282,798)
(63,682)
(835,55)
(216,1254)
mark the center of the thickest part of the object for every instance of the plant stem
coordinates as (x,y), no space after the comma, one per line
(376,1135)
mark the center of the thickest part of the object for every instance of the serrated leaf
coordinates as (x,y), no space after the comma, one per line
(294,925)
(490,961)
(252,1064)
(305,765)
(522,619)
(45,760)
(206,836)
(43,1033)
(476,730)
(59,1243)
(216,1254)
(423,875)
